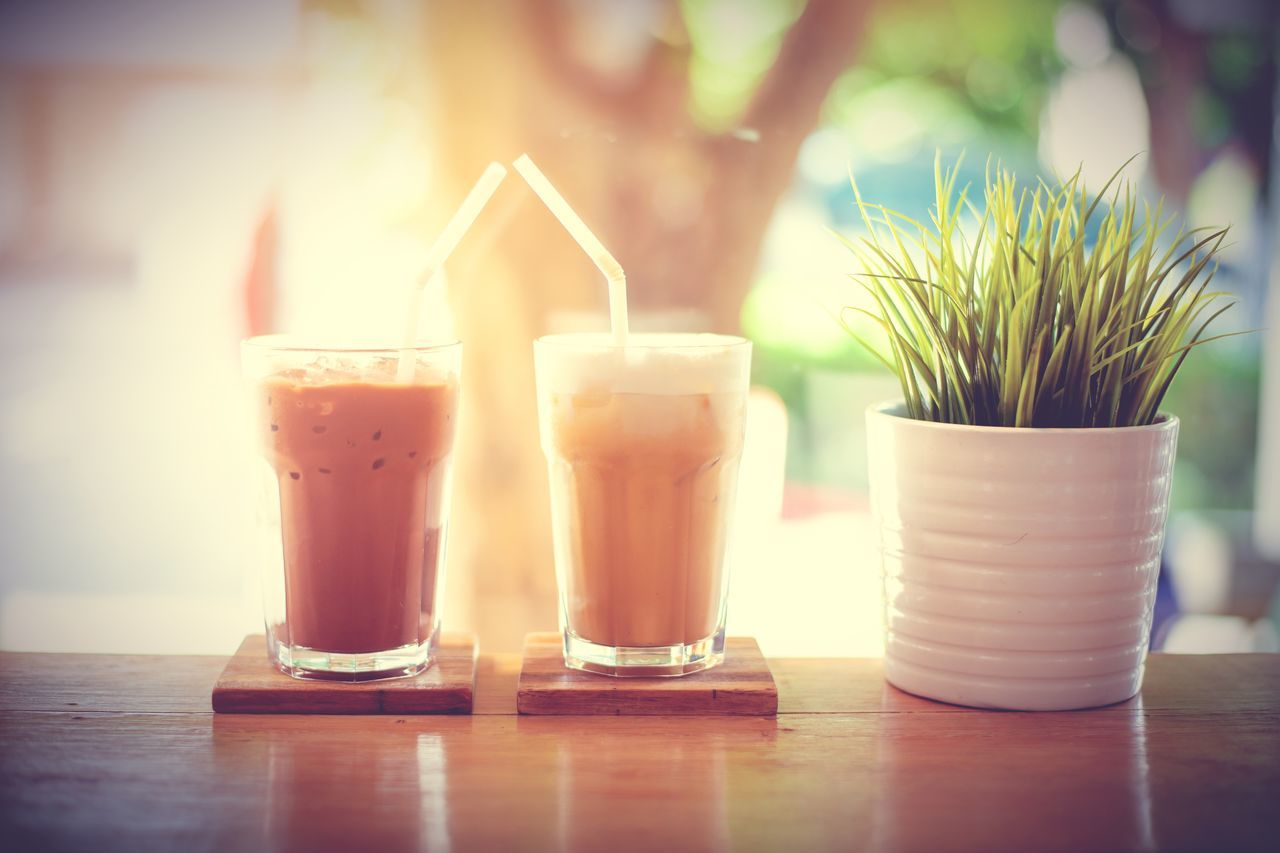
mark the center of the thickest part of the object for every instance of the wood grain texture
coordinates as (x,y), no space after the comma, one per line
(801,782)
(251,685)
(140,764)
(1174,683)
(79,683)
(742,686)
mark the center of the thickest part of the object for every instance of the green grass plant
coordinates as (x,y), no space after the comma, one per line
(1036,317)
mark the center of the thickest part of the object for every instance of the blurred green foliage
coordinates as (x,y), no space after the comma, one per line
(732,45)
(976,75)
(989,61)
(1236,60)
(1216,398)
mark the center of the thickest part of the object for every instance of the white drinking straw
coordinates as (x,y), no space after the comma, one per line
(438,254)
(590,244)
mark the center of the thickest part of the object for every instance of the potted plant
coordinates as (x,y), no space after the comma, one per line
(1022,482)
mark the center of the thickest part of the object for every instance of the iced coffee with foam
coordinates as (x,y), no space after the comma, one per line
(643,444)
(355,457)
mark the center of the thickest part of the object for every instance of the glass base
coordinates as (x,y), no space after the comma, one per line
(312,664)
(643,661)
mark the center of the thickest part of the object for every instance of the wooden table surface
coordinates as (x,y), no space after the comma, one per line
(123,753)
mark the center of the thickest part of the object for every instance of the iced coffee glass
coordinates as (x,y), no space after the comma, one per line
(643,444)
(353,469)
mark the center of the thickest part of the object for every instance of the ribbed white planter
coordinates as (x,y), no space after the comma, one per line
(1019,565)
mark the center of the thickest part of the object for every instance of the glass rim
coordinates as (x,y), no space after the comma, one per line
(286,342)
(603,341)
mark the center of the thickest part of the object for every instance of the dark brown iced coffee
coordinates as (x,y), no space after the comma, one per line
(361,465)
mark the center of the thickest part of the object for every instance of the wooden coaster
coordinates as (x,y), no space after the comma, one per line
(742,685)
(251,685)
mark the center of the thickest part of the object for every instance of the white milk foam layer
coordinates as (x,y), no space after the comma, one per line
(649,364)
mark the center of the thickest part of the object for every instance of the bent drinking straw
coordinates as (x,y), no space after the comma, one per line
(590,244)
(438,254)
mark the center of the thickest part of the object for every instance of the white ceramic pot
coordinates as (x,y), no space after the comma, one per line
(1019,565)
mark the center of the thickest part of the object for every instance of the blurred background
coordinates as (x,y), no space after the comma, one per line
(176,175)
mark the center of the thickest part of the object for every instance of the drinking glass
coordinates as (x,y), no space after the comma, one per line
(643,444)
(353,479)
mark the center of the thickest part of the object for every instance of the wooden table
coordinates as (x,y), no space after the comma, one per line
(122,753)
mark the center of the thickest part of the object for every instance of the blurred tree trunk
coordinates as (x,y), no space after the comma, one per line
(1178,78)
(684,211)
(1170,87)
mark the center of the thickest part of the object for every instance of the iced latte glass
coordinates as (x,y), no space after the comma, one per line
(643,444)
(352,471)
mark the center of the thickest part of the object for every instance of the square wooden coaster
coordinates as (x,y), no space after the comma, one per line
(742,685)
(251,685)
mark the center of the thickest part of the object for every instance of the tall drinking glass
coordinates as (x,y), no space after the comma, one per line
(643,445)
(353,503)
